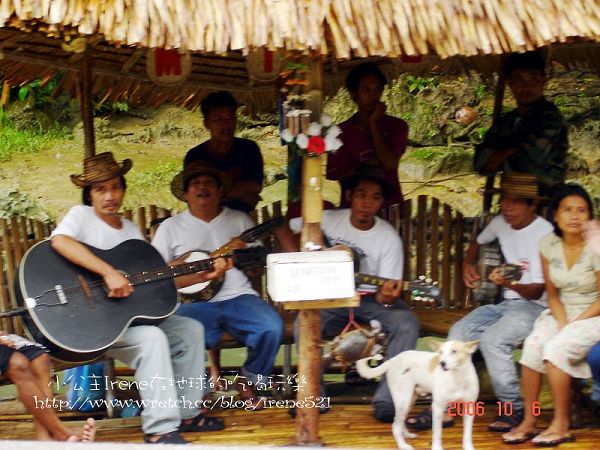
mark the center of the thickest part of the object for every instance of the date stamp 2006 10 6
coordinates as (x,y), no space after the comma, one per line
(478,409)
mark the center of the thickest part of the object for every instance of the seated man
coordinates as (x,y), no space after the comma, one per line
(239,158)
(236,308)
(380,248)
(504,326)
(174,349)
(533,137)
(27,365)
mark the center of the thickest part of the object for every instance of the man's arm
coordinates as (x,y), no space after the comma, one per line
(470,274)
(77,253)
(388,153)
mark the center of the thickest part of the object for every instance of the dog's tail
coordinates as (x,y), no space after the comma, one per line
(362,365)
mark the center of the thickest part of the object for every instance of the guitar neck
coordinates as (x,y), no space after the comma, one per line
(374,280)
(170,272)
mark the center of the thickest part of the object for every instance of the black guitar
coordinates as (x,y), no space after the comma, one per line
(66,307)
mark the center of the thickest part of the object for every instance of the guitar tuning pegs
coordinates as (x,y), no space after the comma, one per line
(421,277)
(428,280)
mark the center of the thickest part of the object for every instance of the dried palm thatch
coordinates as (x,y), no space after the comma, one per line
(343,28)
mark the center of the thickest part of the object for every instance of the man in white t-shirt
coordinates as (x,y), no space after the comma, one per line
(379,247)
(236,308)
(502,327)
(172,350)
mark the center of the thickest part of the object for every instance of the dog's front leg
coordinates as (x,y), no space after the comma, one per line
(438,410)
(468,432)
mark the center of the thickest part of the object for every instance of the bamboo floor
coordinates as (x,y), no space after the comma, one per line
(346,425)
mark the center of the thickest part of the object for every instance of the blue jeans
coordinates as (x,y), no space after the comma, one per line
(593,359)
(501,328)
(250,320)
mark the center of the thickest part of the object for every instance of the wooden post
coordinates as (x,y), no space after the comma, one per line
(5,94)
(498,99)
(309,340)
(85,98)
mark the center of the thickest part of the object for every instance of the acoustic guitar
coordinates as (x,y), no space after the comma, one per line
(202,292)
(490,257)
(422,289)
(67,309)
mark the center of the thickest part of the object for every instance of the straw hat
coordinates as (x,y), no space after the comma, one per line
(519,185)
(194,169)
(100,168)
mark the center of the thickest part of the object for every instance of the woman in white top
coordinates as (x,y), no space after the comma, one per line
(563,334)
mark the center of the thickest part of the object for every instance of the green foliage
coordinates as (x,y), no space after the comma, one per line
(110,107)
(481,131)
(14,142)
(16,203)
(414,84)
(154,182)
(481,91)
(424,154)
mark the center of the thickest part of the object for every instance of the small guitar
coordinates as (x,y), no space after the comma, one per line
(490,257)
(421,289)
(66,308)
(207,290)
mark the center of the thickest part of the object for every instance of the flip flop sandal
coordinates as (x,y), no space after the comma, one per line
(524,438)
(170,438)
(510,421)
(202,423)
(540,442)
(424,420)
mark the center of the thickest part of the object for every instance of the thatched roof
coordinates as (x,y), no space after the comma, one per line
(342,28)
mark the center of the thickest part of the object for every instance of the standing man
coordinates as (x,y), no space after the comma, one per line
(380,250)
(502,327)
(172,350)
(236,308)
(239,158)
(370,136)
(532,138)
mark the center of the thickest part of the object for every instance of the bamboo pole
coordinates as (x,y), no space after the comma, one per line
(5,94)
(87,112)
(309,339)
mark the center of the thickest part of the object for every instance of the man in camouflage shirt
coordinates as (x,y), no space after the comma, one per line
(533,137)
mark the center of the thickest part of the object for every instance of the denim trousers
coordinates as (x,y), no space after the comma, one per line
(250,320)
(593,359)
(162,355)
(501,329)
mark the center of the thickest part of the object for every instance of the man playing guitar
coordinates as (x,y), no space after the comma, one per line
(236,308)
(170,351)
(380,248)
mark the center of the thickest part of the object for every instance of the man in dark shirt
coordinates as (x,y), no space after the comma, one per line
(239,158)
(531,138)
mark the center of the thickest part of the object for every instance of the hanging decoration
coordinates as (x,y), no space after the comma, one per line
(168,67)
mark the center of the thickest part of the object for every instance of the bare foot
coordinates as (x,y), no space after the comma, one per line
(247,394)
(89,430)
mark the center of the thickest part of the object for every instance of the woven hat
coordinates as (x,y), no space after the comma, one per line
(516,184)
(367,172)
(100,168)
(194,169)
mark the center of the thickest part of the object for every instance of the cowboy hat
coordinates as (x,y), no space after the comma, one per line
(100,168)
(367,172)
(519,185)
(194,169)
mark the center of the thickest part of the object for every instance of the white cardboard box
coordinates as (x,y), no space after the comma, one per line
(310,276)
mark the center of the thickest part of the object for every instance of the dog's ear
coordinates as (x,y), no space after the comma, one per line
(471,346)
(434,345)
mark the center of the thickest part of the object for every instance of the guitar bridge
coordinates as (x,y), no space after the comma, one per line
(62,298)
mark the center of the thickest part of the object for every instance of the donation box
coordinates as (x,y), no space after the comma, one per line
(310,276)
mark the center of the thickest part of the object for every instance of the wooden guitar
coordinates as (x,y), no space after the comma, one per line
(490,257)
(66,308)
(202,292)
(421,289)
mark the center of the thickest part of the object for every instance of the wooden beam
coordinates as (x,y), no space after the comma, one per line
(5,94)
(133,59)
(64,65)
(87,110)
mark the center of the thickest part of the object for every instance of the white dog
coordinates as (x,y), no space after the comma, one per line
(448,374)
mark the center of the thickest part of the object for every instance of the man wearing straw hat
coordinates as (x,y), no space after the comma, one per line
(533,137)
(502,327)
(169,351)
(236,308)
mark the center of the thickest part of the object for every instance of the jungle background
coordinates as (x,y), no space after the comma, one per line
(41,142)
